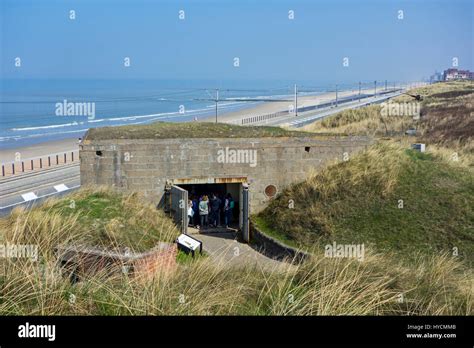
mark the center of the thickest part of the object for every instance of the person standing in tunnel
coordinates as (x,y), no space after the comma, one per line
(228,206)
(196,211)
(204,211)
(215,207)
(190,213)
(221,210)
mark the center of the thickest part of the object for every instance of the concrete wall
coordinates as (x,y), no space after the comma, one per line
(274,248)
(147,164)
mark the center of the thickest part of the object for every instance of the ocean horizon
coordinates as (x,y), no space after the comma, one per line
(36,110)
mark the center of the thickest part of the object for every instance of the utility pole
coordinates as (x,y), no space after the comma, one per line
(385,84)
(217,100)
(375,88)
(359,91)
(336,95)
(296,100)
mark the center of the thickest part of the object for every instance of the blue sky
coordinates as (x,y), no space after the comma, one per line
(269,45)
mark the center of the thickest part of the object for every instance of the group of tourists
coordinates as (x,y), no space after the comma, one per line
(209,211)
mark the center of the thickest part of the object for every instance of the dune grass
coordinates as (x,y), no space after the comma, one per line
(377,286)
(380,284)
(390,197)
(446,118)
(363,121)
(359,199)
(96,217)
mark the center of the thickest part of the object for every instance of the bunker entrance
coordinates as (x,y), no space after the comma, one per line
(216,194)
(221,216)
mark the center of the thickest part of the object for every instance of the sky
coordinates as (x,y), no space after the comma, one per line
(205,44)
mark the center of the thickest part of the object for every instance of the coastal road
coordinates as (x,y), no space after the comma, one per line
(307,117)
(31,188)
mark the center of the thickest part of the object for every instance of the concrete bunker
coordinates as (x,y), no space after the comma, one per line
(169,162)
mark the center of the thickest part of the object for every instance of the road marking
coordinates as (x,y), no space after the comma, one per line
(46,195)
(60,188)
(29,196)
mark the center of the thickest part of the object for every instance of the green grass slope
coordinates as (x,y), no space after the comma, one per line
(96,217)
(389,198)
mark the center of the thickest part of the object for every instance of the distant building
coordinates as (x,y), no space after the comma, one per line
(455,74)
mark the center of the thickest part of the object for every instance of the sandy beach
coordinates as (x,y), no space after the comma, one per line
(41,149)
(71,144)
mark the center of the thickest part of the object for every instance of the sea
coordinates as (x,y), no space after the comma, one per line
(38,110)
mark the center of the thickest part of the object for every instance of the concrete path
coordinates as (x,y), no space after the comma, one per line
(222,245)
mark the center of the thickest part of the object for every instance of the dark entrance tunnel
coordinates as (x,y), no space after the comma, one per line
(176,200)
(197,191)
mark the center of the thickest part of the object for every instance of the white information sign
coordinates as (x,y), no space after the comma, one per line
(189,242)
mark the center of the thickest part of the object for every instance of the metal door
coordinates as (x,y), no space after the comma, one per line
(179,207)
(245,213)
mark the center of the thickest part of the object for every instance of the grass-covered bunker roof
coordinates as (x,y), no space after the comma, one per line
(170,130)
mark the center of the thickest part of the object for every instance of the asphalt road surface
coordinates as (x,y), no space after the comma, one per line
(32,188)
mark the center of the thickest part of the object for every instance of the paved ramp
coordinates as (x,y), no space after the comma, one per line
(223,246)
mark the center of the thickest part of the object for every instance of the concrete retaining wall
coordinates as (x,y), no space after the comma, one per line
(276,249)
